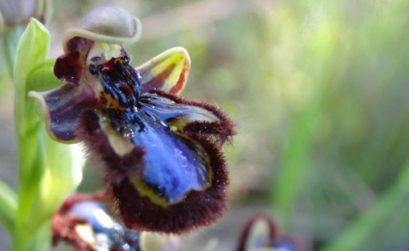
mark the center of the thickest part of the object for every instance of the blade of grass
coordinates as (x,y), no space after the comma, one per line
(295,157)
(361,229)
(8,206)
(317,57)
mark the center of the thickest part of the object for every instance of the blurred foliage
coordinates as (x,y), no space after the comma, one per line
(319,92)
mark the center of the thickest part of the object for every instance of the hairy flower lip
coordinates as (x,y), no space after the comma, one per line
(139,212)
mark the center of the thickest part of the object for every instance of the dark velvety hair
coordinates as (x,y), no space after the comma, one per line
(222,130)
(199,208)
(139,212)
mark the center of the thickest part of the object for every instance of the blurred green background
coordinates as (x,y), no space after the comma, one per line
(320,95)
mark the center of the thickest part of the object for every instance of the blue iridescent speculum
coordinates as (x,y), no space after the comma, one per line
(161,152)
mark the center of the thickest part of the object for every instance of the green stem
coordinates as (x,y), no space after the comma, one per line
(8,206)
(296,161)
(11,38)
(360,231)
(32,240)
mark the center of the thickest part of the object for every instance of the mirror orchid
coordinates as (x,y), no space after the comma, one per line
(161,153)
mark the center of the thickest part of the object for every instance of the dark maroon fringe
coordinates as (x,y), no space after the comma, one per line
(199,208)
(222,130)
(70,66)
(138,212)
(243,237)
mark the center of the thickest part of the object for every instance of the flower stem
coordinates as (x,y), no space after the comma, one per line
(11,38)
(26,240)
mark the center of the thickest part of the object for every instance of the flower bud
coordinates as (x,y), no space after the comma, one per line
(19,12)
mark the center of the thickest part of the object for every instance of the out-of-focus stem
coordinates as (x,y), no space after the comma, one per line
(10,42)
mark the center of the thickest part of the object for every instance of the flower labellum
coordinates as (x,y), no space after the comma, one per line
(161,152)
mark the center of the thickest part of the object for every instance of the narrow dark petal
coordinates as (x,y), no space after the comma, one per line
(188,115)
(70,66)
(62,108)
(176,183)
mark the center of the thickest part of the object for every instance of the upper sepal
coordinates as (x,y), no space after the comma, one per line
(167,71)
(108,24)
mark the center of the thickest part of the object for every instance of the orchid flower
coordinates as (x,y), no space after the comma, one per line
(86,224)
(161,153)
(259,233)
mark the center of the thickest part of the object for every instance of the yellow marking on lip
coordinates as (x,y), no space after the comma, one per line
(106,100)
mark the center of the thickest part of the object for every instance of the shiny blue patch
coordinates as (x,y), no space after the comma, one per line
(94,214)
(174,164)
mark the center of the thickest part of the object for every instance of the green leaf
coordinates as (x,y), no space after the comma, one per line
(8,206)
(48,170)
(62,174)
(42,77)
(31,51)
